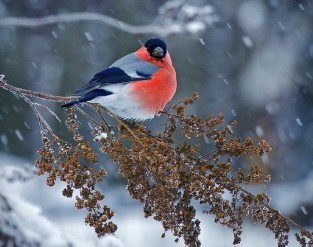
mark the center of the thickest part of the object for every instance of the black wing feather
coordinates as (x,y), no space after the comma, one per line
(86,97)
(110,75)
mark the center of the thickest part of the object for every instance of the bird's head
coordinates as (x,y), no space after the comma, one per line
(156,48)
(155,51)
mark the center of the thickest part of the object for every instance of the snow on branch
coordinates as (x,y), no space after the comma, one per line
(173,17)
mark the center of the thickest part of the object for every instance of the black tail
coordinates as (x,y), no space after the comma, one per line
(89,96)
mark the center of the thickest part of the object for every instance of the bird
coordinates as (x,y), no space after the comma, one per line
(135,87)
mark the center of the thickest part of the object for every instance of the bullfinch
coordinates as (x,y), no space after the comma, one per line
(135,87)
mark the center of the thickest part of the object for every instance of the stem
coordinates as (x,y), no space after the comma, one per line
(291,222)
(87,116)
(122,123)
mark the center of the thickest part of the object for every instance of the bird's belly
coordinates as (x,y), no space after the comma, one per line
(124,106)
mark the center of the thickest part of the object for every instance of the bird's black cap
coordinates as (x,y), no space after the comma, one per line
(152,44)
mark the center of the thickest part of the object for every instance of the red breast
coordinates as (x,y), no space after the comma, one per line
(155,93)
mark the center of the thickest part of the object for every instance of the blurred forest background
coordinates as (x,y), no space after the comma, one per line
(251,60)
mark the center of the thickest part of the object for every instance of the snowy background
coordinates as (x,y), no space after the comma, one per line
(251,60)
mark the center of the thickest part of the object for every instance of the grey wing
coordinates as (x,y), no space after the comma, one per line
(127,69)
(136,67)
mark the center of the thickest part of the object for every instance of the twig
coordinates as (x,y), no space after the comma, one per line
(49,110)
(24,94)
(87,116)
(33,94)
(205,155)
(97,108)
(40,118)
(122,123)
(291,222)
(170,114)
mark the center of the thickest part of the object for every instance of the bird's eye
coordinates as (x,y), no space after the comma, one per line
(158,52)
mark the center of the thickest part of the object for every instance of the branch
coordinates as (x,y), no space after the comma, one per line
(25,94)
(75,17)
(291,222)
(33,94)
(174,16)
(41,119)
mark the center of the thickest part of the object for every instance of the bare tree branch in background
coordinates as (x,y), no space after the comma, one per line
(173,17)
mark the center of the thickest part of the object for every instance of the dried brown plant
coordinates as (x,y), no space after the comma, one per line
(167,176)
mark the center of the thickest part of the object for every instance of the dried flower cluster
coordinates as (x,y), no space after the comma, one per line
(71,163)
(167,176)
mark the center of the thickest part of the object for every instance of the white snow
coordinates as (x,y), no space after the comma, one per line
(202,41)
(26,125)
(259,131)
(247,41)
(4,139)
(194,27)
(298,121)
(19,135)
(206,139)
(34,64)
(281,25)
(226,81)
(272,108)
(101,136)
(88,36)
(309,75)
(190,10)
(265,159)
(54,34)
(287,197)
(304,211)
(33,224)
